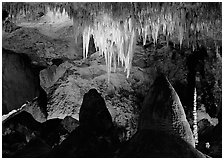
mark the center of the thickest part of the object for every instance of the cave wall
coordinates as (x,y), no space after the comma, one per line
(19,82)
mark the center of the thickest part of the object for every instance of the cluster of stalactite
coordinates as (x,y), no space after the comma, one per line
(22,8)
(114,40)
(116,26)
(178,21)
(187,21)
(183,22)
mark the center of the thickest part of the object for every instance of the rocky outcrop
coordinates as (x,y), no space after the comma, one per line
(50,75)
(9,26)
(94,114)
(120,94)
(38,46)
(51,132)
(38,113)
(210,138)
(18,130)
(70,123)
(20,82)
(25,137)
(163,129)
(95,136)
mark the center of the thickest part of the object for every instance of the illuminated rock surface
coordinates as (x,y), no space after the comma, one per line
(163,129)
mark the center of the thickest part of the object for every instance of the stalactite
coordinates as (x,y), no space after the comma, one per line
(181,34)
(114,40)
(148,20)
(195,125)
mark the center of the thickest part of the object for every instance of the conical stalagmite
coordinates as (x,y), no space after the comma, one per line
(163,129)
(163,111)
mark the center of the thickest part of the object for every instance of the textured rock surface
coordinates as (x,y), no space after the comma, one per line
(38,113)
(50,75)
(18,130)
(95,136)
(70,123)
(20,83)
(163,111)
(163,129)
(51,44)
(66,95)
(9,26)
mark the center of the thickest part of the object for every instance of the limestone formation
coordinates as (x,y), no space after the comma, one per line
(163,111)
(95,135)
(163,130)
(20,83)
(94,114)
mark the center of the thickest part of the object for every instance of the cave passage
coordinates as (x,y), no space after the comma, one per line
(116,79)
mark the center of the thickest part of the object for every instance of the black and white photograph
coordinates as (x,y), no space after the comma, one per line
(111,79)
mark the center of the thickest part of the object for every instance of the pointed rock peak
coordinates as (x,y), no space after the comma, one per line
(94,115)
(163,111)
(93,92)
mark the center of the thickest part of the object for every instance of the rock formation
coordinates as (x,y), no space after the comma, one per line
(70,123)
(9,26)
(145,38)
(25,137)
(51,130)
(19,81)
(163,111)
(95,135)
(94,114)
(18,130)
(50,75)
(163,129)
(210,139)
